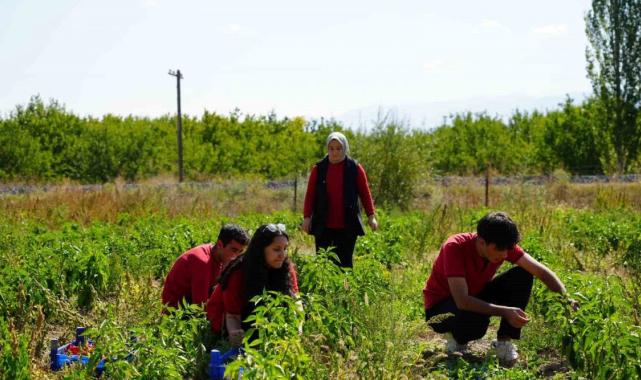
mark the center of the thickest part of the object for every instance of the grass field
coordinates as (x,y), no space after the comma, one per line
(97,259)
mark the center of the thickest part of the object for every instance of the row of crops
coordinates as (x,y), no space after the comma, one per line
(366,323)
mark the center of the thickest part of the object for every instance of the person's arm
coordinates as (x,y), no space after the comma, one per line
(234,328)
(199,271)
(233,302)
(294,288)
(458,288)
(366,197)
(293,277)
(547,276)
(170,292)
(543,273)
(309,201)
(199,289)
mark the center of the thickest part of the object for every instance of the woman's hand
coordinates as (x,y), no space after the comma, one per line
(371,220)
(307,225)
(236,333)
(236,337)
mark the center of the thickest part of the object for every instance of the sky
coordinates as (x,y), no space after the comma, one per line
(334,59)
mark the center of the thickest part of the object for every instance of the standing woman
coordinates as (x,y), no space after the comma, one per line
(264,266)
(332,213)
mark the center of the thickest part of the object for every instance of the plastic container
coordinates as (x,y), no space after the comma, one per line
(217,362)
(73,352)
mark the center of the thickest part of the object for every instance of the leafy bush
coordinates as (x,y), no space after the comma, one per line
(273,348)
(598,338)
(603,233)
(393,164)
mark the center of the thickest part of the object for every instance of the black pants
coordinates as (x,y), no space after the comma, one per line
(511,288)
(343,242)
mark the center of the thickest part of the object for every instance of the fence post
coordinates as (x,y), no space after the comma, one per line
(487,185)
(295,193)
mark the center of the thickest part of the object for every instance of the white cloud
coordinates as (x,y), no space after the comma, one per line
(493,25)
(550,30)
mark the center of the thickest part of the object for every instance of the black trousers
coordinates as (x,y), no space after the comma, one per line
(343,242)
(511,288)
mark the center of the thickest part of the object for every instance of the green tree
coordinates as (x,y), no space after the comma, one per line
(472,142)
(527,131)
(613,28)
(47,142)
(392,163)
(570,139)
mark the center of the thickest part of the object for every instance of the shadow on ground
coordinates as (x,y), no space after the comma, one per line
(480,352)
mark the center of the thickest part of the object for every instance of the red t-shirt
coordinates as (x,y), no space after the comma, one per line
(191,277)
(336,212)
(458,258)
(232,299)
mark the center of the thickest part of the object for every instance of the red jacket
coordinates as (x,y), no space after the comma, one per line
(192,276)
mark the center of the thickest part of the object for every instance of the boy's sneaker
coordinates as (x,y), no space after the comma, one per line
(505,351)
(453,346)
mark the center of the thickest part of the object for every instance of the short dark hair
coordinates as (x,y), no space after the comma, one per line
(230,232)
(498,228)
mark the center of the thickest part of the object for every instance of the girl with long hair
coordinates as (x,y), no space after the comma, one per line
(264,266)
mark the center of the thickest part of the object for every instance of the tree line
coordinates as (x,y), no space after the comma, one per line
(46,142)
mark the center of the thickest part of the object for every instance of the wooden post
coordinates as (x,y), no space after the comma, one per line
(487,185)
(295,192)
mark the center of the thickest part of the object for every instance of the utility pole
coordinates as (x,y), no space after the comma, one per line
(179,122)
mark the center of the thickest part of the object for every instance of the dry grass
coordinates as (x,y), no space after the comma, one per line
(237,197)
(228,198)
(519,196)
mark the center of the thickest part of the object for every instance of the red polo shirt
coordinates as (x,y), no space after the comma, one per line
(459,258)
(191,277)
(232,299)
(336,212)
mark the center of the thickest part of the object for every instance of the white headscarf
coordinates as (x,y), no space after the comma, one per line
(340,138)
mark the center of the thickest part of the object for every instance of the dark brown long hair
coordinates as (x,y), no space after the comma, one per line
(258,276)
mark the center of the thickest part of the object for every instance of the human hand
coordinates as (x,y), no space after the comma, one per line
(236,337)
(516,317)
(574,304)
(373,223)
(307,225)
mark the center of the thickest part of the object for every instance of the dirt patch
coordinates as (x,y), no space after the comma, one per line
(556,363)
(551,369)
(435,353)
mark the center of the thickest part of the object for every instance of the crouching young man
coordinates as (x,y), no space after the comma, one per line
(462,283)
(195,273)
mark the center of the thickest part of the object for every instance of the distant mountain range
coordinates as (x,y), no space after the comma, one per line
(432,114)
